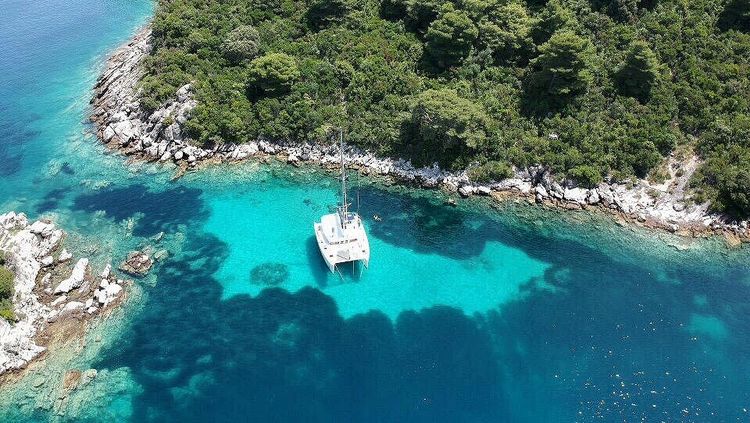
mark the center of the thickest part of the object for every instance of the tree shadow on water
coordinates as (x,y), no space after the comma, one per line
(52,200)
(162,210)
(424,225)
(285,356)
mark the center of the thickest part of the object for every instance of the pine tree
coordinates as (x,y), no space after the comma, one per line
(638,73)
(450,37)
(561,71)
(506,32)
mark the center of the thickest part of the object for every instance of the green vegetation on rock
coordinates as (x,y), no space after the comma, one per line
(593,89)
(6,294)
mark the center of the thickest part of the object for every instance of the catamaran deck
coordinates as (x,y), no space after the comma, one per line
(341,242)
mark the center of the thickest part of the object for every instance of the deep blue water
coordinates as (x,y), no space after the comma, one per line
(468,314)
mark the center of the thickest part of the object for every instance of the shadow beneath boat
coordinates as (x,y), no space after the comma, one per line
(344,273)
(318,268)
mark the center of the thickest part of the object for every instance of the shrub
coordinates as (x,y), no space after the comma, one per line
(587,176)
(272,74)
(6,283)
(6,310)
(490,172)
(241,44)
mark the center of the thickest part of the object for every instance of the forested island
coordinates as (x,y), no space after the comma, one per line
(594,89)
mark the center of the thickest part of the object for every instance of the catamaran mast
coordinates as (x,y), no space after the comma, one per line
(343,177)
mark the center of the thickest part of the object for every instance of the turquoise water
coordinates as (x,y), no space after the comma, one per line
(467,314)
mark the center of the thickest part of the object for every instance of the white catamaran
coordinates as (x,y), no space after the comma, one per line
(341,236)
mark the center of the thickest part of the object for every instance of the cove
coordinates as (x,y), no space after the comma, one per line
(467,314)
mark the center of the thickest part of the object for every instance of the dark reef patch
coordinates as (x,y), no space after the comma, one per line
(162,210)
(15,135)
(52,200)
(269,274)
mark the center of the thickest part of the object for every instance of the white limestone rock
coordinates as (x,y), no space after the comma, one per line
(112,291)
(483,190)
(71,307)
(59,301)
(42,229)
(576,195)
(76,278)
(107,271)
(101,296)
(593,197)
(465,191)
(64,256)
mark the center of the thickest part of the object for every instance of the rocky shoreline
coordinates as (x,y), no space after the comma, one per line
(56,295)
(125,127)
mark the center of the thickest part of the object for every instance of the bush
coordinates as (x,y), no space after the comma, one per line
(241,44)
(490,172)
(587,176)
(272,74)
(6,310)
(6,294)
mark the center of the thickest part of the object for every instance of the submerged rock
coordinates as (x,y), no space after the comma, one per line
(269,274)
(138,263)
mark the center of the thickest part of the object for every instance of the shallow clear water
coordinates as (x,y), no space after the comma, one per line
(467,314)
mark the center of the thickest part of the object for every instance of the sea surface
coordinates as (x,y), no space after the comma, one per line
(478,313)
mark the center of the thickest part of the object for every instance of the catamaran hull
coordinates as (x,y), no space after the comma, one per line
(329,255)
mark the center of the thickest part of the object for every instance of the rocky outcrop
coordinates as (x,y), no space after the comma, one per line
(76,278)
(123,125)
(29,249)
(138,263)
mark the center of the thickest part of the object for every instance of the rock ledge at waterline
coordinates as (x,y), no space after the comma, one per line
(52,287)
(124,126)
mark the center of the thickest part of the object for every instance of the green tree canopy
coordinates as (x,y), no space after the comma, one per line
(446,125)
(450,37)
(561,71)
(726,177)
(272,74)
(552,105)
(323,12)
(506,31)
(736,15)
(552,18)
(6,283)
(240,44)
(421,13)
(639,72)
